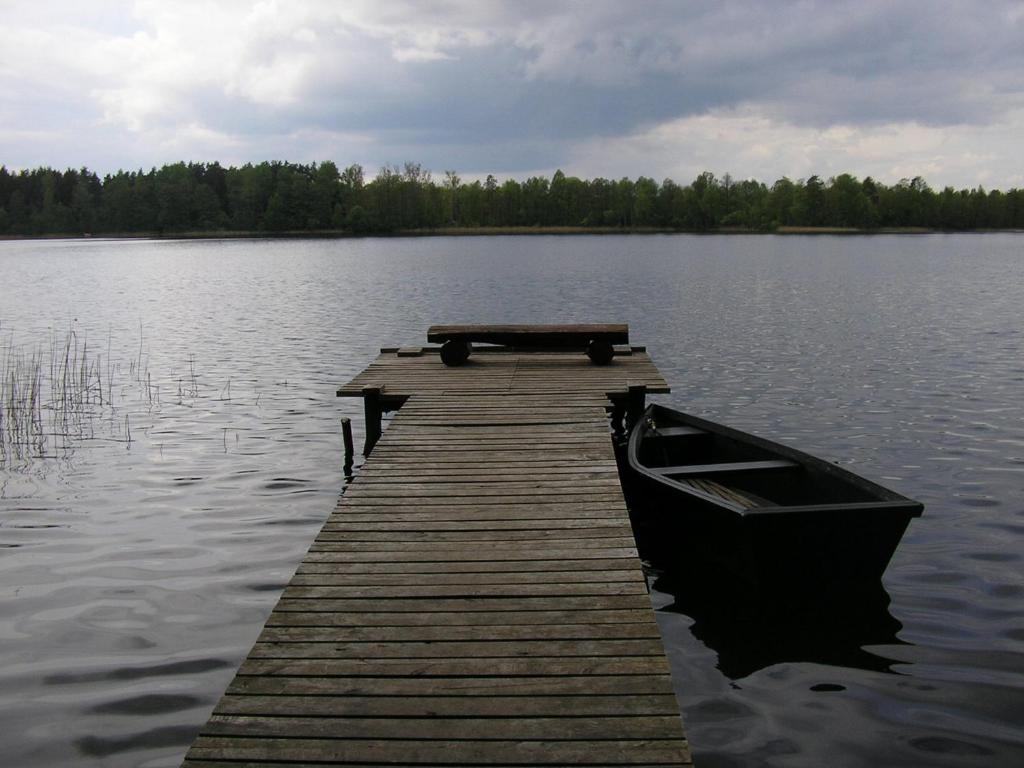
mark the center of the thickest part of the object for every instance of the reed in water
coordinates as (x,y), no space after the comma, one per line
(50,396)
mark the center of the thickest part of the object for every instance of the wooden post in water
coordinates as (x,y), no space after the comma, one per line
(346,436)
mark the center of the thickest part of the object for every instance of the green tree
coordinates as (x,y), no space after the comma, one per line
(451,196)
(173,188)
(325,194)
(350,191)
(645,202)
(358,220)
(810,203)
(249,189)
(206,212)
(512,203)
(705,206)
(847,204)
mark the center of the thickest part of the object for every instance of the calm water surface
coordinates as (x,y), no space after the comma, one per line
(143,543)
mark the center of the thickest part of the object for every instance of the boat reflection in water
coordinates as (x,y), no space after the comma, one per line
(751,632)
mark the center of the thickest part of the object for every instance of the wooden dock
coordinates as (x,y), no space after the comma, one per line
(476,597)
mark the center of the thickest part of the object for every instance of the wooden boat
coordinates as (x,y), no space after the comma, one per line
(772,517)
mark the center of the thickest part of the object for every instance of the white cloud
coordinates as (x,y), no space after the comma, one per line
(674,88)
(187,139)
(745,142)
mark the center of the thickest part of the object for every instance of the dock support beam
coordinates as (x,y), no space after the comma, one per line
(373,410)
(636,402)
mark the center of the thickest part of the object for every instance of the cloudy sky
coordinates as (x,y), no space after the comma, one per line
(625,88)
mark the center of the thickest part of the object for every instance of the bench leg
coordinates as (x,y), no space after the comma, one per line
(455,352)
(600,352)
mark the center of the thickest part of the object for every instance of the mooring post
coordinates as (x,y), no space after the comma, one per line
(636,397)
(346,436)
(372,410)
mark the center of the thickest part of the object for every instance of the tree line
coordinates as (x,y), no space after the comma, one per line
(289,197)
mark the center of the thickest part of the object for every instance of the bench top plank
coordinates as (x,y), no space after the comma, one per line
(531,335)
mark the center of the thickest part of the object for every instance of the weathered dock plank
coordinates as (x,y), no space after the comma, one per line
(476,596)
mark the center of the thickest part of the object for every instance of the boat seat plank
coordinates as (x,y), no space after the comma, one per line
(742,498)
(683,470)
(677,431)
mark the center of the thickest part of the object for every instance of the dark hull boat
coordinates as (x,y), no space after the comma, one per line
(757,513)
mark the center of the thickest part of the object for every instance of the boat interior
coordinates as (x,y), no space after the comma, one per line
(743,470)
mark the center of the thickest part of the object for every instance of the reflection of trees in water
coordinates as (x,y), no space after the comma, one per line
(750,633)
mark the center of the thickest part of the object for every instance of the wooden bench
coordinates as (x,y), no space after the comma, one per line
(597,339)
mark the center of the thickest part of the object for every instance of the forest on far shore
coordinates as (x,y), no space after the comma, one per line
(283,197)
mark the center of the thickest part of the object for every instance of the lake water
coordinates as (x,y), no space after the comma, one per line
(142,547)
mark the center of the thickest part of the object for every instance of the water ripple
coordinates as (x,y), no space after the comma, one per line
(136,573)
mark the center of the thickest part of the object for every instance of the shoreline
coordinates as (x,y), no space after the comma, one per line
(497,232)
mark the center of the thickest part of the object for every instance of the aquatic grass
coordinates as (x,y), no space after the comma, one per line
(53,395)
(63,391)
(21,416)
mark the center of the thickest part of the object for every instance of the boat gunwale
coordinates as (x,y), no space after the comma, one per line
(887,499)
